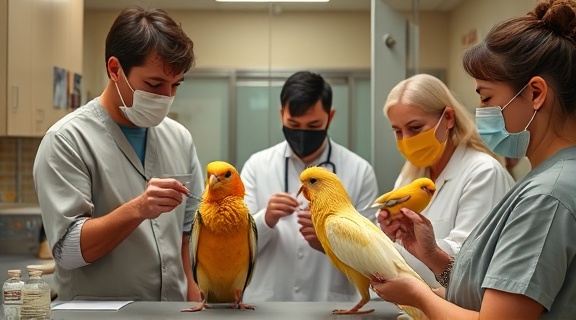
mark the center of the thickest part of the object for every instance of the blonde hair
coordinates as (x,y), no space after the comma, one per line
(432,96)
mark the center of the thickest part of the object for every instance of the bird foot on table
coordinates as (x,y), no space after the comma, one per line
(192,309)
(242,306)
(352,311)
(197,308)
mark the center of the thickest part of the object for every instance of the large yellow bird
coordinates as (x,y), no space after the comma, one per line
(354,244)
(224,239)
(414,196)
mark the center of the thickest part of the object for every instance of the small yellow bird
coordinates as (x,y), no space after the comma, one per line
(223,244)
(354,244)
(414,196)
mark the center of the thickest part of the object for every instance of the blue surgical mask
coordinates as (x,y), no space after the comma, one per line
(492,129)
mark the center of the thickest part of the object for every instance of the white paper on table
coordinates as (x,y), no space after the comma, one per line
(90,305)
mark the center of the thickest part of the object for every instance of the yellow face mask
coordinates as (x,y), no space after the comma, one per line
(423,149)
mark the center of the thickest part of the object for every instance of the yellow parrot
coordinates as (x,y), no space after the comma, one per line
(414,196)
(354,244)
(223,244)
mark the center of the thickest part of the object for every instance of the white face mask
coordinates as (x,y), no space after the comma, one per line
(148,109)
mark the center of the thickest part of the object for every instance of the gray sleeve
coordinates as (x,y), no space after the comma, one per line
(534,250)
(63,186)
(196,188)
(67,251)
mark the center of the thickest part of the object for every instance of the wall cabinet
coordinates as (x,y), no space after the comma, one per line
(39,35)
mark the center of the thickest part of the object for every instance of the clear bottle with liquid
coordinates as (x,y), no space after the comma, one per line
(35,297)
(12,293)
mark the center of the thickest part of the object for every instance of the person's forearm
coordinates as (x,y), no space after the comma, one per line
(437,308)
(437,261)
(101,235)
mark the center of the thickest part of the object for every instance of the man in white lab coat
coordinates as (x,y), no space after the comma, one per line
(291,263)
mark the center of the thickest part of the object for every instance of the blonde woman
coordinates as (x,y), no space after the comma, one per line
(439,140)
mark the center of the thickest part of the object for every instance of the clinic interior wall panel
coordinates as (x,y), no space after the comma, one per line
(477,16)
(434,45)
(259,40)
(249,40)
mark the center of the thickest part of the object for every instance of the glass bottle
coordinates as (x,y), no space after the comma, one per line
(12,290)
(35,297)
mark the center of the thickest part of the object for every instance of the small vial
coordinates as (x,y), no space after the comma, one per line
(35,297)
(12,293)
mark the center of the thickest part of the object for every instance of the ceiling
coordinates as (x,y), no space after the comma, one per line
(332,5)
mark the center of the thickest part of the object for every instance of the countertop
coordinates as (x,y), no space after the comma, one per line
(265,310)
(19,208)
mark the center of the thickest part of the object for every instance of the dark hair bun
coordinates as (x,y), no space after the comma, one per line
(558,15)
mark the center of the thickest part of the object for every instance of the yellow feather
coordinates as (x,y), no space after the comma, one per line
(414,196)
(224,237)
(353,243)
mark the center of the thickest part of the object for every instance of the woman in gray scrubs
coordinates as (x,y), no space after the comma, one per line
(519,263)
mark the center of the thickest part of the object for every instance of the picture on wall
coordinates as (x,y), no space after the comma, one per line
(60,88)
(75,92)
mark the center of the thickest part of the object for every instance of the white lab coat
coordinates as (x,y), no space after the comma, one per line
(287,268)
(471,184)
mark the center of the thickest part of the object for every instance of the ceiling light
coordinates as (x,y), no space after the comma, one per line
(272,0)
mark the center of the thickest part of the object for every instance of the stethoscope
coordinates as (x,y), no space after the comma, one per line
(323,164)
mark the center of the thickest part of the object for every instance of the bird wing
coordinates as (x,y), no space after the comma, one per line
(253,244)
(389,203)
(196,226)
(357,242)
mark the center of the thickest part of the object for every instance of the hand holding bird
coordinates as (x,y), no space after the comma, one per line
(415,196)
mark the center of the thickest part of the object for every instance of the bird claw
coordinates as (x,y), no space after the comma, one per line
(241,306)
(199,307)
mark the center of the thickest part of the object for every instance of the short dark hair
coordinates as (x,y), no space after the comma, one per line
(137,32)
(303,90)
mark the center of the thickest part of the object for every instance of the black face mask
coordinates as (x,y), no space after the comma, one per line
(304,142)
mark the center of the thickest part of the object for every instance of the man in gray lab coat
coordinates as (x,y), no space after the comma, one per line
(119,231)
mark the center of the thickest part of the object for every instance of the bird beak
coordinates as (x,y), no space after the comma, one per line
(428,191)
(300,191)
(213,180)
(377,205)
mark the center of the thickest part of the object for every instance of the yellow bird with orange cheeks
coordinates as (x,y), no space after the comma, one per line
(414,196)
(354,244)
(223,244)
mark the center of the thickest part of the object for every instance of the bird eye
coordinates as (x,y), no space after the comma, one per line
(228,174)
(313,180)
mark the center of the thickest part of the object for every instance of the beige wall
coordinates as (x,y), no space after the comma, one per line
(434,44)
(481,16)
(255,40)
(251,40)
